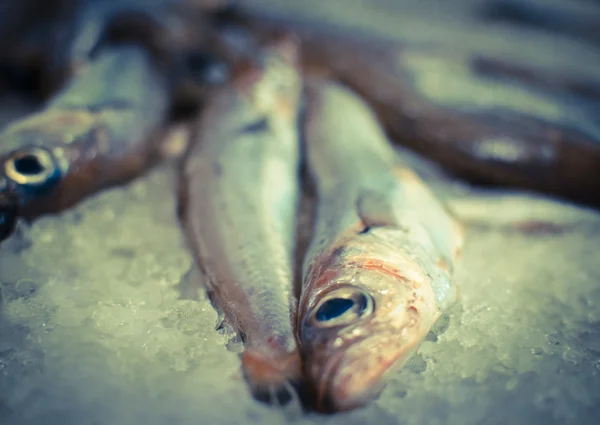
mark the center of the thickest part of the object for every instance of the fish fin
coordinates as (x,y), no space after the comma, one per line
(375,209)
(190,284)
(220,324)
(445,229)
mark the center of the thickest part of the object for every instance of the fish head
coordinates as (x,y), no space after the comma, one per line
(40,149)
(359,328)
(24,175)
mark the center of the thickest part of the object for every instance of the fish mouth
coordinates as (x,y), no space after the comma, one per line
(323,382)
(355,376)
(332,393)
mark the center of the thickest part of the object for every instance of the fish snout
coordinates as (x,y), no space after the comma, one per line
(348,384)
(360,369)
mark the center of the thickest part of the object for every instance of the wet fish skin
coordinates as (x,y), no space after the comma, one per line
(102,129)
(378,272)
(538,78)
(548,18)
(238,197)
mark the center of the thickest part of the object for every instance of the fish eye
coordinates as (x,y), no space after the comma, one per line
(342,307)
(333,308)
(33,169)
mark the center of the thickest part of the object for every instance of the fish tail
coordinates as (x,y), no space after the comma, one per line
(273,379)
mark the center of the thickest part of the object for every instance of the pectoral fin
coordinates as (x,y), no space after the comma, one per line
(376,209)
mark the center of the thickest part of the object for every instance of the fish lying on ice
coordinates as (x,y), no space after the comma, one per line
(238,198)
(378,272)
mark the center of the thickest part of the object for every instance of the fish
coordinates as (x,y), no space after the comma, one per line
(238,196)
(378,272)
(103,128)
(483,132)
(172,37)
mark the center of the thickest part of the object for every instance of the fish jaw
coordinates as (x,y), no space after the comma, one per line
(361,374)
(348,364)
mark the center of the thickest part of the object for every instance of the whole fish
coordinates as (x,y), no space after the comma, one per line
(239,193)
(102,129)
(378,272)
(512,132)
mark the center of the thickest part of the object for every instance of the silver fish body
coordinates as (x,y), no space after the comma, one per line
(378,272)
(241,194)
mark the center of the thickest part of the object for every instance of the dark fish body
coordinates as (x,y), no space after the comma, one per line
(489,135)
(555,18)
(485,144)
(101,129)
(43,45)
(239,195)
(378,272)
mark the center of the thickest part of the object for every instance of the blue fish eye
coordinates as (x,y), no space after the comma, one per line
(333,308)
(342,306)
(34,170)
